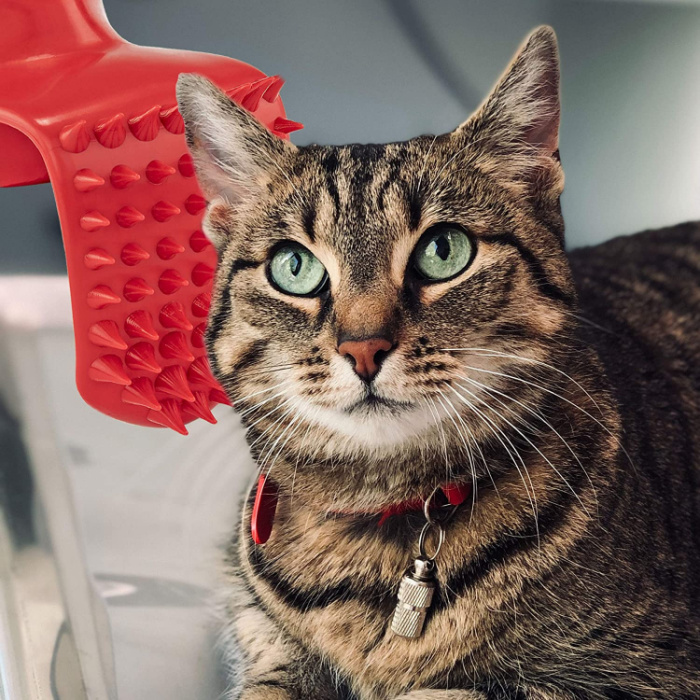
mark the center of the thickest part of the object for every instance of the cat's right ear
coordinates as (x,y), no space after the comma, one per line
(234,154)
(516,129)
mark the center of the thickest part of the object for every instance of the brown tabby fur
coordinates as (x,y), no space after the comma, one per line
(566,388)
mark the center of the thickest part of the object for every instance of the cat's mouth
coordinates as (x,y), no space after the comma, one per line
(373,402)
(371,420)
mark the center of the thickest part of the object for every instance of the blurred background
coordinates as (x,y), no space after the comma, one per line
(143,513)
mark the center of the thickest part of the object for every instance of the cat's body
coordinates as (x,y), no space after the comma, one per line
(566,394)
(614,611)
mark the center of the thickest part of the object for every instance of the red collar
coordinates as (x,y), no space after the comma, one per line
(263,516)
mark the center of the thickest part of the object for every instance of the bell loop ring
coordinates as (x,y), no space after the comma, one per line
(446,512)
(427,503)
(421,540)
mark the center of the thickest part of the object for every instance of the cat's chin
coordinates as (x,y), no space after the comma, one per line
(373,423)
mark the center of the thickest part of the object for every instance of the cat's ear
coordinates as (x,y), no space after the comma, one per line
(234,154)
(518,123)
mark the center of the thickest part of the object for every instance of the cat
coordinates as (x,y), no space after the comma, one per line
(394,320)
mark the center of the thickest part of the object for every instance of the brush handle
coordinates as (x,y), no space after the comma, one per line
(48,28)
(41,35)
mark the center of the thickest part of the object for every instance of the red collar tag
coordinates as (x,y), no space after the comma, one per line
(264,507)
(265,504)
(456,494)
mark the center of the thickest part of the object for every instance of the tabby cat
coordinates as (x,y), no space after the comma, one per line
(392,319)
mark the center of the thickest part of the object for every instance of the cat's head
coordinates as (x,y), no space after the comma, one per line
(369,296)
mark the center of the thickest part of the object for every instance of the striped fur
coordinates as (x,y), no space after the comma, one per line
(565,388)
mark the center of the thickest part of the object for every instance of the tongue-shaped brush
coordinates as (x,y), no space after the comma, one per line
(96,116)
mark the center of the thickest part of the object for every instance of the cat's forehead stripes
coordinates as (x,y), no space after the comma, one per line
(358,205)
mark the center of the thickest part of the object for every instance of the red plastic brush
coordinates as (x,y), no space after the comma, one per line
(96,116)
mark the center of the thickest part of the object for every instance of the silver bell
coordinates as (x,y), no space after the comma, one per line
(415,597)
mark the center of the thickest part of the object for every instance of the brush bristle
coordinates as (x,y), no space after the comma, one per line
(145,126)
(142,358)
(172,381)
(111,132)
(169,416)
(93,221)
(174,347)
(164,211)
(75,138)
(173,315)
(101,296)
(109,369)
(85,180)
(128,216)
(96,258)
(122,176)
(139,324)
(167,248)
(105,334)
(137,289)
(141,393)
(199,408)
(157,171)
(132,254)
(172,120)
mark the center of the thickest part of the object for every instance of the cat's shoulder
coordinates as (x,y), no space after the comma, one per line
(649,247)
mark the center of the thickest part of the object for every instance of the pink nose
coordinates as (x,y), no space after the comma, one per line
(366,355)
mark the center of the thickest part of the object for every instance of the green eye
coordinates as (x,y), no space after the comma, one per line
(295,270)
(443,252)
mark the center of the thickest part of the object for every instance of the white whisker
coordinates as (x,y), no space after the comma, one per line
(536,414)
(438,423)
(501,436)
(470,456)
(531,360)
(532,444)
(562,398)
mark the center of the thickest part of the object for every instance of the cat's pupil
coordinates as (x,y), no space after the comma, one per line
(442,247)
(295,264)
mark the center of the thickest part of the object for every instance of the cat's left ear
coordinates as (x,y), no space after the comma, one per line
(517,127)
(234,154)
